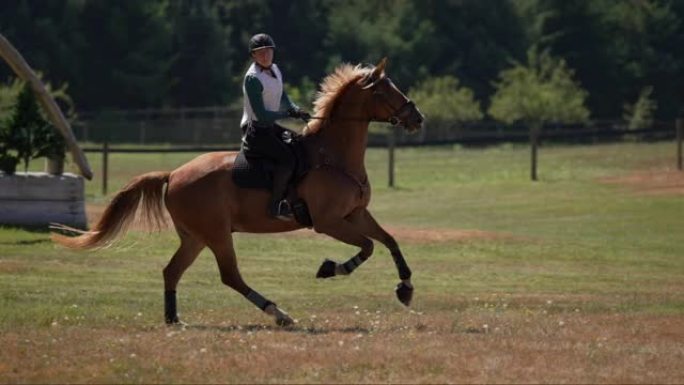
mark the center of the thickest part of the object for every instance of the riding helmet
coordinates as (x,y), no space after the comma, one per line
(260,41)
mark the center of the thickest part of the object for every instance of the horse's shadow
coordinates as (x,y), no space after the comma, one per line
(26,242)
(311,330)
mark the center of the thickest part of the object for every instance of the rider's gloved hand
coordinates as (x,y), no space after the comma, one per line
(293,112)
(305,116)
(299,114)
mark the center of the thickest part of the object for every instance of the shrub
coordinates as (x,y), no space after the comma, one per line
(640,114)
(444,101)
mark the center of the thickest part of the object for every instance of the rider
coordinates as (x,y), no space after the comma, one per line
(265,101)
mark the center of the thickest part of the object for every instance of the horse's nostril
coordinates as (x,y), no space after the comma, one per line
(420,119)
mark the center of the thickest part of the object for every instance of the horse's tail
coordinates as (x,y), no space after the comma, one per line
(120,213)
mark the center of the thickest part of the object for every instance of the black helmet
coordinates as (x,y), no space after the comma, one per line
(260,41)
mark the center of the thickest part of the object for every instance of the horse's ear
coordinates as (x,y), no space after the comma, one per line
(378,72)
(380,67)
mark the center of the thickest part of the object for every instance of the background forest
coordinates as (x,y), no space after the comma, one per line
(123,54)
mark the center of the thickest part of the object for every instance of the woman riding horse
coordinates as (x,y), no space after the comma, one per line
(207,207)
(264,98)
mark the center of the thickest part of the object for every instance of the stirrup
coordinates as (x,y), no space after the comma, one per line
(283,211)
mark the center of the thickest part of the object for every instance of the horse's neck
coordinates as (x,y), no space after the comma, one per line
(341,141)
(341,144)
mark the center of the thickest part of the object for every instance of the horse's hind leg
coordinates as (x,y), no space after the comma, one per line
(186,254)
(230,275)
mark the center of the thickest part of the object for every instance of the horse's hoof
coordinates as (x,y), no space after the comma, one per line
(284,321)
(327,269)
(176,323)
(404,293)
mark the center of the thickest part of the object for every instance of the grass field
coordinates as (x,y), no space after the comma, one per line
(578,278)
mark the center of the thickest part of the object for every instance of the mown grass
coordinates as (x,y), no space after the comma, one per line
(568,262)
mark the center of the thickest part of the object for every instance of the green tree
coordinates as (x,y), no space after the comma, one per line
(126,55)
(576,31)
(201,70)
(472,40)
(616,47)
(640,114)
(24,125)
(645,40)
(539,92)
(362,31)
(445,102)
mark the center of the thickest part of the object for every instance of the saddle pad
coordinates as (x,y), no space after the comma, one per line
(251,173)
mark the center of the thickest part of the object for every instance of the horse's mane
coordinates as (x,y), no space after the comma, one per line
(331,88)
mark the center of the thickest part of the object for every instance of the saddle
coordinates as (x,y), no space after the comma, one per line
(256,172)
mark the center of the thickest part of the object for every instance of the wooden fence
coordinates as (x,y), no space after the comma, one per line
(392,138)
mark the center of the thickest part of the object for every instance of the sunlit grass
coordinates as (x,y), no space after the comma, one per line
(570,269)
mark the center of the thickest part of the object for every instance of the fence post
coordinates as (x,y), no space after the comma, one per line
(680,138)
(105,165)
(391,143)
(534,143)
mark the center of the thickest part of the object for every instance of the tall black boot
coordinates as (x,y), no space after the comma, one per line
(279,207)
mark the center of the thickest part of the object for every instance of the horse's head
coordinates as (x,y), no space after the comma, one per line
(388,104)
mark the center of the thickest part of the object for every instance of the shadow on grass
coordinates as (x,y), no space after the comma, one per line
(26,242)
(289,329)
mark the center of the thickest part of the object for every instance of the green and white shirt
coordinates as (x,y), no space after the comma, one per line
(265,100)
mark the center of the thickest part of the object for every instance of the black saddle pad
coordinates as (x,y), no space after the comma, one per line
(252,172)
(257,172)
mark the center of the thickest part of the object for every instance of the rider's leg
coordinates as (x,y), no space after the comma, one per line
(267,142)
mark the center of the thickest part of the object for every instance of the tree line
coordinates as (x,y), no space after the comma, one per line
(116,54)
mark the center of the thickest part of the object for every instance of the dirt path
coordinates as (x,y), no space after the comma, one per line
(651,182)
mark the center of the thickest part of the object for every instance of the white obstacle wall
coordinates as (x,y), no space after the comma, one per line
(38,199)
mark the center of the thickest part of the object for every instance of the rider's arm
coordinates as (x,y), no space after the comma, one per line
(254,88)
(286,103)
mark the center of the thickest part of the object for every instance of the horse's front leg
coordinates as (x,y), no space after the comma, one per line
(366,224)
(343,231)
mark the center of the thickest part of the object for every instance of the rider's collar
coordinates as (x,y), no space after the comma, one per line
(269,69)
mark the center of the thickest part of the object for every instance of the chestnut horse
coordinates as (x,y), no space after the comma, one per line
(206,206)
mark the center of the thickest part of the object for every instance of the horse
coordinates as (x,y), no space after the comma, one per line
(206,206)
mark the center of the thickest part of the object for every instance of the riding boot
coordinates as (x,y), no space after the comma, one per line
(279,207)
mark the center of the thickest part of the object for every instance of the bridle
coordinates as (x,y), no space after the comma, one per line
(397,118)
(399,114)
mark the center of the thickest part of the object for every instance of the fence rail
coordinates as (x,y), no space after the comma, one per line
(391,139)
(212,125)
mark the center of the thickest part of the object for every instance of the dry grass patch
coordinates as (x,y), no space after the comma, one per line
(9,266)
(473,345)
(651,182)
